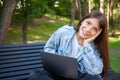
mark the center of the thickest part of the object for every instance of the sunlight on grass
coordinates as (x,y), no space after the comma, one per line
(51,16)
(65,19)
(61,18)
(114,42)
(52,21)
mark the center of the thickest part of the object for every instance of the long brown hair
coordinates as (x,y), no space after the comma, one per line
(101,41)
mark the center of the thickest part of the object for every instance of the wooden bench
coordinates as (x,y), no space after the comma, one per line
(17,60)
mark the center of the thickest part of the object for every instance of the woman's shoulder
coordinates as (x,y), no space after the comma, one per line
(66,28)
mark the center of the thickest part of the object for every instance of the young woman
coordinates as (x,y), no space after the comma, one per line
(88,42)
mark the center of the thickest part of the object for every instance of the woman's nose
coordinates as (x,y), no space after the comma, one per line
(88,29)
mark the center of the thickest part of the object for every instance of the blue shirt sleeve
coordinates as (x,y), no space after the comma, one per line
(52,44)
(90,61)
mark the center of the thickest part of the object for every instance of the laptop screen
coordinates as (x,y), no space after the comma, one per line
(58,65)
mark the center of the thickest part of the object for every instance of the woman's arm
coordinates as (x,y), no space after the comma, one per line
(53,43)
(91,61)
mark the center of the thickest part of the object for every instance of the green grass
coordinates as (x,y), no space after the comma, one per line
(114,42)
(115,63)
(14,36)
(39,30)
(41,34)
(115,53)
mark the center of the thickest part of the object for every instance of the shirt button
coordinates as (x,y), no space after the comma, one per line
(85,49)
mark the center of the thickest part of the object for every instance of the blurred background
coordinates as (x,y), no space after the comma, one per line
(33,21)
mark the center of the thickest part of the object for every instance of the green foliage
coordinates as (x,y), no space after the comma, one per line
(39,7)
(31,9)
(64,8)
(116,15)
(96,4)
(116,12)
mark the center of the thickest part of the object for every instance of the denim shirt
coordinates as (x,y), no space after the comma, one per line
(61,43)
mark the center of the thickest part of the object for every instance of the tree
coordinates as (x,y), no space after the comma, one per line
(25,14)
(102,6)
(85,5)
(73,11)
(111,17)
(79,10)
(90,6)
(63,9)
(6,16)
(108,14)
(116,13)
(29,9)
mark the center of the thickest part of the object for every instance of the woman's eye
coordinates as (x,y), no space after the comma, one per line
(88,22)
(95,29)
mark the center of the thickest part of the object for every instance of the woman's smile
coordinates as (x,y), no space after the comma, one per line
(85,33)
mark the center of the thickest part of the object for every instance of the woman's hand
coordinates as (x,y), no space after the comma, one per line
(88,40)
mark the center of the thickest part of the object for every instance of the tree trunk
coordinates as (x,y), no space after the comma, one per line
(90,6)
(24,29)
(102,6)
(79,9)
(73,10)
(7,13)
(85,4)
(108,14)
(111,18)
(25,16)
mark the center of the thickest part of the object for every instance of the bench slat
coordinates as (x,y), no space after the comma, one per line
(20,52)
(20,77)
(19,60)
(20,64)
(21,45)
(19,56)
(18,68)
(16,73)
(21,48)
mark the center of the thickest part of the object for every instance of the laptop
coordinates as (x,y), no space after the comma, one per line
(59,65)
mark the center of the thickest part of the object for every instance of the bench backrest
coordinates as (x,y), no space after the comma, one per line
(17,60)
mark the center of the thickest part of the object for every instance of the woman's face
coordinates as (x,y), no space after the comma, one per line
(89,27)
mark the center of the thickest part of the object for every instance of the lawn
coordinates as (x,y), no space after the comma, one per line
(115,53)
(39,30)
